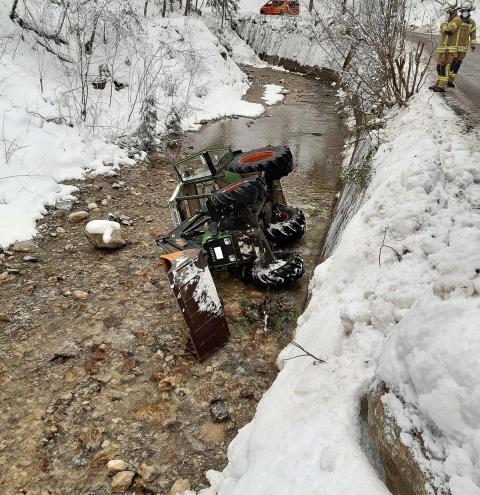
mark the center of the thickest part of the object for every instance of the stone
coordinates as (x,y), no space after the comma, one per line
(24,247)
(116,242)
(213,433)
(69,248)
(116,465)
(403,475)
(233,310)
(218,411)
(147,472)
(116,185)
(80,295)
(104,202)
(77,216)
(92,206)
(179,487)
(64,205)
(30,259)
(121,481)
(148,219)
(60,230)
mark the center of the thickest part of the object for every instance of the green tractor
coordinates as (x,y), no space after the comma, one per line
(229,213)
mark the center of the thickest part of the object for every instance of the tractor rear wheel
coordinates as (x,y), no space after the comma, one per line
(236,197)
(288,226)
(283,272)
(275,161)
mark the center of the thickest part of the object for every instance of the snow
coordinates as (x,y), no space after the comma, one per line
(412,323)
(102,227)
(273,94)
(43,138)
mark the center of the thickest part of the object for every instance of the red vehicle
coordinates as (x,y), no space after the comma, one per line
(281,7)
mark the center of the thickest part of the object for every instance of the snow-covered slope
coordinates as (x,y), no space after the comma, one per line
(408,313)
(43,137)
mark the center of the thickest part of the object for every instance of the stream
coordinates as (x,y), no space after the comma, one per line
(306,121)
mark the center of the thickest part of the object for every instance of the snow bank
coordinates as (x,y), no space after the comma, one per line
(44,139)
(413,323)
(293,38)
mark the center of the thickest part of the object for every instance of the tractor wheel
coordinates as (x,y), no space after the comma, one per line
(275,161)
(283,272)
(288,226)
(237,196)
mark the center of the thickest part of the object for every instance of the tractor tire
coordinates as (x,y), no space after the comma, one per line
(236,197)
(284,272)
(289,227)
(275,161)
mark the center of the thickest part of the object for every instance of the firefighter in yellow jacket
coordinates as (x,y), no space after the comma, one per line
(467,38)
(447,48)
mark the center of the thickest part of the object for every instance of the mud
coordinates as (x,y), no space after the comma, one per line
(86,378)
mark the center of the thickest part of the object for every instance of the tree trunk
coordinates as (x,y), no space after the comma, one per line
(145,8)
(164,8)
(187,7)
(310,6)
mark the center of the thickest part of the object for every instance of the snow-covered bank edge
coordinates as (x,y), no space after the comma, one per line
(46,146)
(406,313)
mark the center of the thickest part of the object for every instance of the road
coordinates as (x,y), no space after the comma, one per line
(468,84)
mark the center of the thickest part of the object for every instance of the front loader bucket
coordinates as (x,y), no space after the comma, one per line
(197,298)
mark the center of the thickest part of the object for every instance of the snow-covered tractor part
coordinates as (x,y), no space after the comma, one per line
(198,300)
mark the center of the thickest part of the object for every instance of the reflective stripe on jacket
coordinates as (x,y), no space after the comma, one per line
(449,32)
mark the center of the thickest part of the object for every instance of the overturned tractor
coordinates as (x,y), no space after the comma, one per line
(229,213)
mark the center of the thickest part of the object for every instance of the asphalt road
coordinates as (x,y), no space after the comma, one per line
(468,79)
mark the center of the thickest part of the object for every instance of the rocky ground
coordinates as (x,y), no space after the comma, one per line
(94,372)
(94,365)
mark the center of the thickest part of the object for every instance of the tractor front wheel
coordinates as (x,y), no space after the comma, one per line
(288,226)
(281,273)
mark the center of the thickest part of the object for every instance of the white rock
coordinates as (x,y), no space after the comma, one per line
(179,487)
(122,481)
(116,465)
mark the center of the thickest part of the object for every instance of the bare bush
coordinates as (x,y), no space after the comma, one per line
(380,67)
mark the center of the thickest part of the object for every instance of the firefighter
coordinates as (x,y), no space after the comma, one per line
(447,48)
(467,37)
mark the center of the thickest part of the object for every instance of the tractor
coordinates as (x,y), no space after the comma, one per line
(229,213)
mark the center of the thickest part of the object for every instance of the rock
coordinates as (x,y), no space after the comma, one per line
(60,230)
(213,432)
(77,216)
(148,219)
(147,472)
(64,205)
(403,475)
(122,481)
(218,411)
(104,202)
(80,295)
(64,351)
(116,465)
(24,247)
(116,185)
(92,206)
(179,487)
(116,240)
(69,248)
(30,259)
(233,310)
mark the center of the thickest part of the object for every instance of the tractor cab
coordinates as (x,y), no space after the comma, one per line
(281,7)
(200,174)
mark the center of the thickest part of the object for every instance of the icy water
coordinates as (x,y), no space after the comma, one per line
(307,122)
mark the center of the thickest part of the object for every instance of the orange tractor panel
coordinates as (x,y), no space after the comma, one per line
(281,7)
